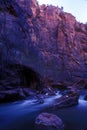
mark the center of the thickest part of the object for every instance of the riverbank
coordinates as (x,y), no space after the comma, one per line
(21,115)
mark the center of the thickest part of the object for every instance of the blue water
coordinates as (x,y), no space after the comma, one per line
(21,115)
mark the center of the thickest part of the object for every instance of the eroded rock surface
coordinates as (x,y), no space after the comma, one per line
(48,119)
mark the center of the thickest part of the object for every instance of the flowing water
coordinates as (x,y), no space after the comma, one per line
(21,115)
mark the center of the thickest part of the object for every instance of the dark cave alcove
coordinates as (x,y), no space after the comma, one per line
(17,75)
(30,78)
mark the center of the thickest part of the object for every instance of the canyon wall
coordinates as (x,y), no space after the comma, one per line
(45,38)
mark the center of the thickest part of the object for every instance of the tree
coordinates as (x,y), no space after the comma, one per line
(62,8)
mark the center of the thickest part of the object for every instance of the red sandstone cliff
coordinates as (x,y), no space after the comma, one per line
(45,38)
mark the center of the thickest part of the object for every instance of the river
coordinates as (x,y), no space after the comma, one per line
(21,115)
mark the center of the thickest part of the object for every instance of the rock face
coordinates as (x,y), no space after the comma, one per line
(43,38)
(48,119)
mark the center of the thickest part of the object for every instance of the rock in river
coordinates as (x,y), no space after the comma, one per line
(67,100)
(48,119)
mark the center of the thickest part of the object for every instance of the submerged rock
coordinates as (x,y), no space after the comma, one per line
(48,119)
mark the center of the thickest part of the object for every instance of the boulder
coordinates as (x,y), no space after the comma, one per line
(48,119)
(67,100)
